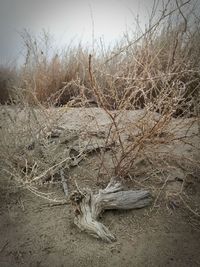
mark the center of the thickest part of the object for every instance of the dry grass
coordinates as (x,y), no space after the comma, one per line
(134,74)
(157,72)
(8,78)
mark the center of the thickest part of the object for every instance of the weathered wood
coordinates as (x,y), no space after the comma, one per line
(64,183)
(89,206)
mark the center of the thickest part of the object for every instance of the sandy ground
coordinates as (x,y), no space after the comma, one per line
(35,233)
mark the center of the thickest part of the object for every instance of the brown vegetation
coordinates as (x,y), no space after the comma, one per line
(147,90)
(132,75)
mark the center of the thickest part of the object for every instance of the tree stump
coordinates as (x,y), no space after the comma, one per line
(89,206)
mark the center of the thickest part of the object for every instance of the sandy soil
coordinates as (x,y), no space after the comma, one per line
(35,233)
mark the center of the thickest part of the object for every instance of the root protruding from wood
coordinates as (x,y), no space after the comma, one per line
(89,206)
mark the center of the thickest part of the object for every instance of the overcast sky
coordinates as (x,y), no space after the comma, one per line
(67,20)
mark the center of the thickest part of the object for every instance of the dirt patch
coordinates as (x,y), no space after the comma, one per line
(36,233)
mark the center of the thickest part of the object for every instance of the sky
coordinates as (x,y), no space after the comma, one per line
(67,20)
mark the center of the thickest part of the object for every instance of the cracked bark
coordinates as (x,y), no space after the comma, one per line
(88,206)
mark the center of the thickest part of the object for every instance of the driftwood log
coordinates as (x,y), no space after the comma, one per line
(89,206)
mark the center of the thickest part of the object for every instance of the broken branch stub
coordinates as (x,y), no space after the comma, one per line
(89,206)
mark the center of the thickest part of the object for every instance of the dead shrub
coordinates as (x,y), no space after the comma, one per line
(8,78)
(158,73)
